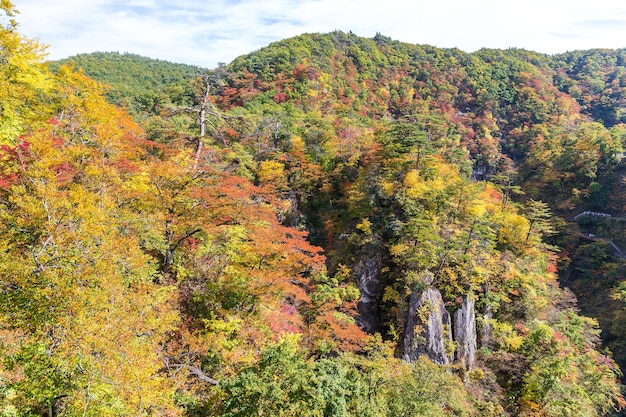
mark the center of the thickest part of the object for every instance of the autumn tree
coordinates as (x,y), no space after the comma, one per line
(83,320)
(23,78)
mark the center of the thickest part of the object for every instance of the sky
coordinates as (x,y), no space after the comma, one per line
(207,32)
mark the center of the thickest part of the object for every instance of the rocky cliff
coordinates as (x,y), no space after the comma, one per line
(465,332)
(428,330)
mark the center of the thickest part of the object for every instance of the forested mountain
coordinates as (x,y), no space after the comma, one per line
(329,226)
(137,83)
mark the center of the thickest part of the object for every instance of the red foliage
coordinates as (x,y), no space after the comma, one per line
(7,180)
(244,87)
(57,142)
(13,160)
(285,321)
(65,172)
(340,329)
(495,194)
(125,166)
(280,97)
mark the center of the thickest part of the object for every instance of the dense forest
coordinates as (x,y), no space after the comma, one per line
(328,226)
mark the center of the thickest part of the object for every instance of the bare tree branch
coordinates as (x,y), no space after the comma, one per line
(195,371)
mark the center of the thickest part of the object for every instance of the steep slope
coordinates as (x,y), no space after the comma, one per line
(396,131)
(502,106)
(596,78)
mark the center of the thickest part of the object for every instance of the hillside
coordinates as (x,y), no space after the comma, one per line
(329,226)
(137,82)
(531,124)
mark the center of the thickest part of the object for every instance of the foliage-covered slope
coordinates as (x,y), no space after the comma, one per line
(180,270)
(136,82)
(385,120)
(596,78)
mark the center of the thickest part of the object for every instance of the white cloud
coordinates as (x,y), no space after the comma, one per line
(207,32)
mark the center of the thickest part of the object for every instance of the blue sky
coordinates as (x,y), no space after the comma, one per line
(205,32)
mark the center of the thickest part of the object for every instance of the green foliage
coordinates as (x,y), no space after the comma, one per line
(143,85)
(568,378)
(596,79)
(285,383)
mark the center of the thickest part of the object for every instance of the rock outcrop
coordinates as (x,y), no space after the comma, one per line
(465,332)
(428,331)
(367,270)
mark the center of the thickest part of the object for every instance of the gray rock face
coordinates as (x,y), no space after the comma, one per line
(465,332)
(367,270)
(428,330)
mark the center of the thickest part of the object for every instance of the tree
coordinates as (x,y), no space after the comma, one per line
(86,321)
(539,219)
(23,79)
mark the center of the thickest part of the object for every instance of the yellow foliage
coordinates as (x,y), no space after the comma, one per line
(391,294)
(365,226)
(397,249)
(23,77)
(508,338)
(139,183)
(94,306)
(270,171)
(439,177)
(412,179)
(513,228)
(297,143)
(415,186)
(477,208)
(387,188)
